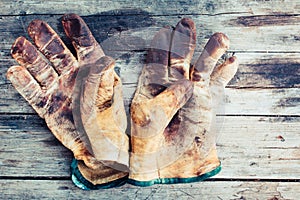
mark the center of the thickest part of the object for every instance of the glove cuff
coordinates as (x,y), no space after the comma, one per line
(175,180)
(193,165)
(88,179)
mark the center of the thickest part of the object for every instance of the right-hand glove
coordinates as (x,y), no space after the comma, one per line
(80,99)
(171,113)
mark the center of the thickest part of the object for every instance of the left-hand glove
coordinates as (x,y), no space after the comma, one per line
(80,99)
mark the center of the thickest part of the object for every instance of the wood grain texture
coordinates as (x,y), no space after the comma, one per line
(249,147)
(249,101)
(259,137)
(251,33)
(166,7)
(256,70)
(208,190)
(273,78)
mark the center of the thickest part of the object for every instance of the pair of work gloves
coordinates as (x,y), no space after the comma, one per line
(172,138)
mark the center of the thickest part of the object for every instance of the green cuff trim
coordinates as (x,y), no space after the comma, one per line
(175,180)
(84,184)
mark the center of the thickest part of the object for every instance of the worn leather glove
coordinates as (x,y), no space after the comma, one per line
(172,111)
(80,99)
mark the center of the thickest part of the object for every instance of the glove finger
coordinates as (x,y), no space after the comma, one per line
(85,98)
(98,87)
(103,114)
(154,76)
(119,109)
(28,56)
(83,41)
(50,44)
(27,86)
(182,49)
(223,73)
(174,97)
(213,50)
(160,110)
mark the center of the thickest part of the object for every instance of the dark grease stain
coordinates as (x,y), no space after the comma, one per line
(24,49)
(158,56)
(197,139)
(55,47)
(61,56)
(210,7)
(195,74)
(79,33)
(23,123)
(126,57)
(278,73)
(56,102)
(41,33)
(180,71)
(155,89)
(105,105)
(265,20)
(42,102)
(286,119)
(23,13)
(11,163)
(66,112)
(72,79)
(296,37)
(172,128)
(288,102)
(117,29)
(102,26)
(114,22)
(262,120)
(253,164)
(63,188)
(51,142)
(281,138)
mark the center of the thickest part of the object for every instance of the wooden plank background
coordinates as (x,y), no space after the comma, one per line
(259,133)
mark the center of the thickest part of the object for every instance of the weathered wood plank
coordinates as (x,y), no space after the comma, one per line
(249,147)
(265,33)
(21,135)
(59,189)
(167,7)
(262,70)
(262,101)
(267,70)
(248,101)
